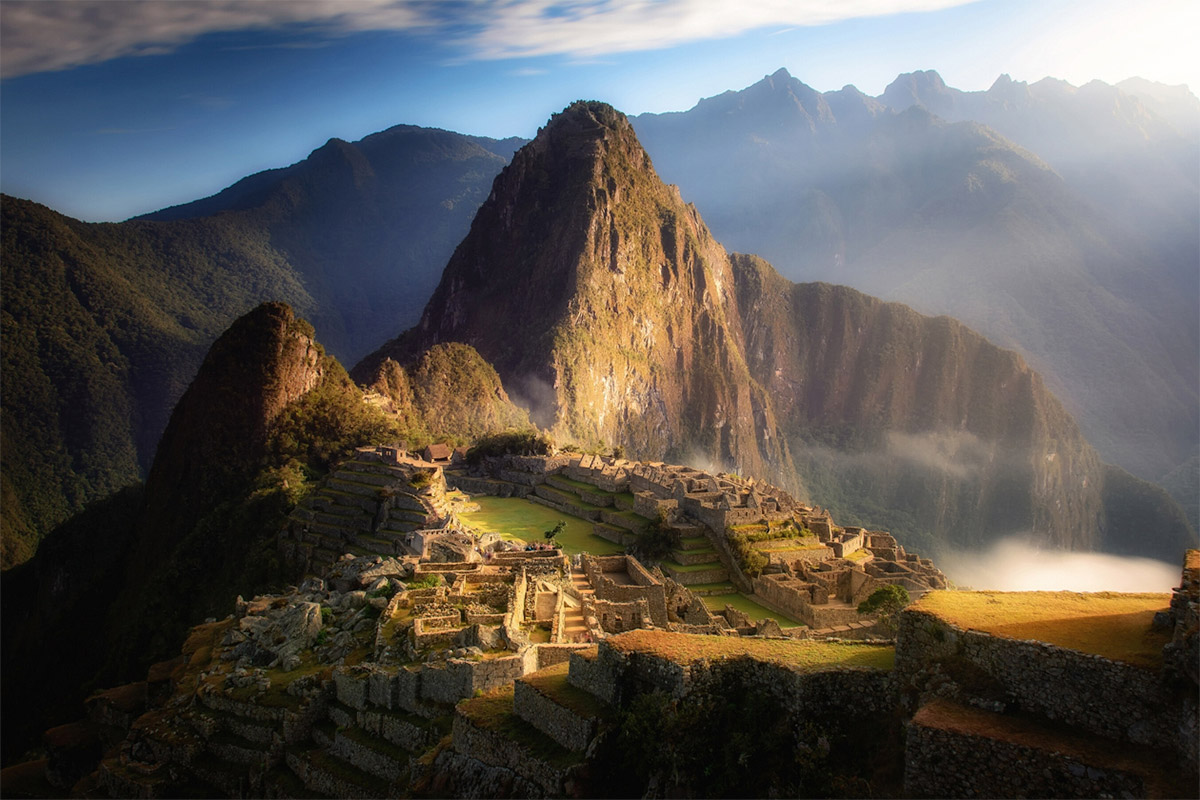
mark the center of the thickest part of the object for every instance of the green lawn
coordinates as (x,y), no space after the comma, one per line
(516,518)
(746,605)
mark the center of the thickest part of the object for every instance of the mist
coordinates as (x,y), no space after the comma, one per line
(1013,564)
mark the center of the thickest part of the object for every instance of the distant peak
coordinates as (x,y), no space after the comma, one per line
(780,74)
(924,78)
(1005,87)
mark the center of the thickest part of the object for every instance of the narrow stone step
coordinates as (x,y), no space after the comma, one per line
(695,543)
(688,558)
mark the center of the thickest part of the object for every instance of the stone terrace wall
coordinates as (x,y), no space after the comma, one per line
(943,763)
(616,677)
(558,722)
(1105,697)
(495,749)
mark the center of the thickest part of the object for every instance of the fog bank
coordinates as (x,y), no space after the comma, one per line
(1016,565)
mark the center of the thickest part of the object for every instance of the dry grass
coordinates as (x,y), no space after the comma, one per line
(807,656)
(1108,624)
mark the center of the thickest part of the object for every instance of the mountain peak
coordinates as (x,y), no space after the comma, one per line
(585,116)
(602,300)
(921,88)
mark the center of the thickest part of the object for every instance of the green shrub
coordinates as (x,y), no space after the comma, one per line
(751,561)
(886,601)
(527,442)
(426,582)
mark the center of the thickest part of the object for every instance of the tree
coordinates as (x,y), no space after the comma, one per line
(555,531)
(886,601)
(658,539)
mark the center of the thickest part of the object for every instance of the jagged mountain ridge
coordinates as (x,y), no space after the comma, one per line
(367,224)
(1067,260)
(106,324)
(585,274)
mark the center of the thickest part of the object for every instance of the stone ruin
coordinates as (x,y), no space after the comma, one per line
(817,572)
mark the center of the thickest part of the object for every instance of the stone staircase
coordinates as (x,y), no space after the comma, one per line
(574,627)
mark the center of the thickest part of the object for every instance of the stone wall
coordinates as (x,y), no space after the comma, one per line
(648,505)
(550,654)
(943,762)
(588,672)
(838,693)
(617,616)
(498,750)
(1109,698)
(558,722)
(645,587)
(412,689)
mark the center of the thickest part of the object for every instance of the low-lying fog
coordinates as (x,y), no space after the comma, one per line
(1016,565)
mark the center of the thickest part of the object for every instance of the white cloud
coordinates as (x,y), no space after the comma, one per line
(1015,565)
(37,36)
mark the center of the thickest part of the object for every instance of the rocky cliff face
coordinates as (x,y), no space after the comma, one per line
(1066,228)
(603,302)
(450,392)
(217,435)
(919,415)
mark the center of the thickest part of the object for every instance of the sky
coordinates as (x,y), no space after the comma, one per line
(113,108)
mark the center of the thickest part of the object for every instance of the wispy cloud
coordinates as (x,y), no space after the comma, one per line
(583,28)
(38,36)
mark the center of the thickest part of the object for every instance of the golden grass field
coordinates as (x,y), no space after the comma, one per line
(1108,624)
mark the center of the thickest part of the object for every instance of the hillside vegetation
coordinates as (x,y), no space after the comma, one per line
(104,325)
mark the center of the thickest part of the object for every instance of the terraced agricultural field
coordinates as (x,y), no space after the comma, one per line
(515,518)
